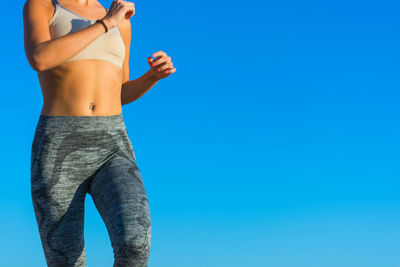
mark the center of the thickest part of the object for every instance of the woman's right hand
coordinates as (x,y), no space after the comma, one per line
(118,11)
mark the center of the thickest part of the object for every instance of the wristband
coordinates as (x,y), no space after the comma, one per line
(102,22)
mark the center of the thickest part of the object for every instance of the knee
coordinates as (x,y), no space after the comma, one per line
(134,250)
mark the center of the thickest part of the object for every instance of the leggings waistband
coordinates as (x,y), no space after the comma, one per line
(73,123)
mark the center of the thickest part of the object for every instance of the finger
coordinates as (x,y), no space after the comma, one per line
(113,4)
(129,8)
(165,59)
(169,71)
(156,60)
(160,61)
(129,5)
(150,60)
(164,67)
(159,53)
(127,2)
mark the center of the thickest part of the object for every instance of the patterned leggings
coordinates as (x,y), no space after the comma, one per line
(75,155)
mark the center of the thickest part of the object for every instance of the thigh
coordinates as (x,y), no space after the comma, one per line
(58,201)
(120,197)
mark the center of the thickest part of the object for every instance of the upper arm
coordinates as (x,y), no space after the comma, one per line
(36,17)
(125,29)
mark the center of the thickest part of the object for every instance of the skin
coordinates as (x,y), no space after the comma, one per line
(85,87)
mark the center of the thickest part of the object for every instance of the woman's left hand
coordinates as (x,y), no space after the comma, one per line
(161,67)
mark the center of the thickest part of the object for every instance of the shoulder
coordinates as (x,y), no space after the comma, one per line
(34,9)
(41,5)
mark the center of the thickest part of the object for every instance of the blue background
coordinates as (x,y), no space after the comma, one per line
(276,142)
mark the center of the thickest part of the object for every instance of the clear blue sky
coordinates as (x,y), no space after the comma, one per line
(276,142)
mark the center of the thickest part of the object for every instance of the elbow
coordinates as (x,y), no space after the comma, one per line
(37,67)
(39,62)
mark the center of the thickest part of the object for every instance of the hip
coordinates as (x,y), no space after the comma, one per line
(78,142)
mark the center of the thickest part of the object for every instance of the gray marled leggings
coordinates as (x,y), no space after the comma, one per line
(75,155)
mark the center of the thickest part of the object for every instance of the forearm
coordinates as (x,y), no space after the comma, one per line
(53,52)
(134,89)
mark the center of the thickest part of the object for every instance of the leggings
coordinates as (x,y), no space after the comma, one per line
(75,155)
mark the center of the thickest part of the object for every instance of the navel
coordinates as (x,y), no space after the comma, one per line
(91,106)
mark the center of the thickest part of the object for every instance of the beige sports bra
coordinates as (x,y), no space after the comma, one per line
(108,46)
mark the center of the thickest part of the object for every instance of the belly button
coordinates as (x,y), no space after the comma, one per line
(91,107)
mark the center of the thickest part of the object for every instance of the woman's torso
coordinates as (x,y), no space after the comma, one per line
(89,83)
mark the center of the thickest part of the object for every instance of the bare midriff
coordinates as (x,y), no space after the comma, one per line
(82,88)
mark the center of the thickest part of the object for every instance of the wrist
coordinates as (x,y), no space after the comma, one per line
(152,76)
(107,23)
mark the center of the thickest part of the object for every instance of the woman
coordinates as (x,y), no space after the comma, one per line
(81,53)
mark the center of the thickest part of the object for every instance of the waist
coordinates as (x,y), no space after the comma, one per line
(57,123)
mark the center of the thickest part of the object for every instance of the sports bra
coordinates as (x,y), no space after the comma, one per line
(108,46)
